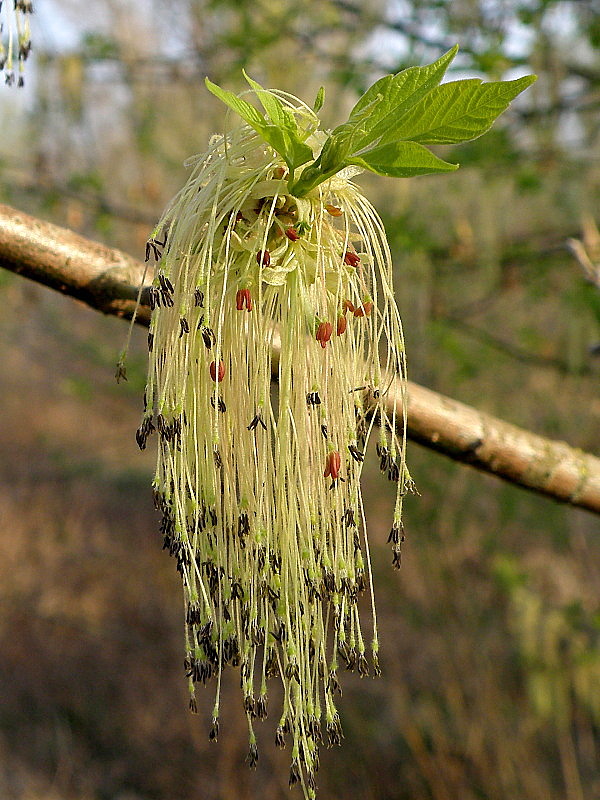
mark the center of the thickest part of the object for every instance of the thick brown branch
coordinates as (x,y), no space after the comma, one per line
(107,280)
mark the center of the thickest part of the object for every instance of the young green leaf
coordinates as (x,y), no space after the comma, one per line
(456,112)
(246,111)
(401,160)
(281,132)
(319,100)
(399,93)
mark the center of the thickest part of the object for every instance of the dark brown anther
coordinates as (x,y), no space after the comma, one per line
(356,453)
(217,373)
(292,234)
(250,706)
(294,773)
(313,399)
(243,524)
(220,404)
(362,666)
(208,336)
(323,334)
(218,464)
(349,520)
(324,430)
(263,258)
(193,705)
(280,737)
(252,757)
(214,731)
(184,326)
(261,706)
(256,421)
(152,248)
(396,558)
(393,471)
(334,731)
(396,534)
(352,259)
(198,298)
(150,342)
(121,372)
(342,324)
(243,299)
(165,284)
(167,299)
(376,667)
(143,432)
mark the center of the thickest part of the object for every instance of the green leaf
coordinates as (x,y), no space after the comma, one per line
(246,111)
(398,94)
(456,112)
(401,160)
(279,115)
(319,100)
(282,130)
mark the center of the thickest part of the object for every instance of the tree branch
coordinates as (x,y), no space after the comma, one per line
(108,280)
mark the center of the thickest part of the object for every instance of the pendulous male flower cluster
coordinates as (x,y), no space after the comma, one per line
(260,491)
(15,39)
(271,263)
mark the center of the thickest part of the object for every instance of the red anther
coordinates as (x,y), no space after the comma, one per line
(243,299)
(217,376)
(324,332)
(263,257)
(292,234)
(347,305)
(352,259)
(333,210)
(341,324)
(279,172)
(332,465)
(364,310)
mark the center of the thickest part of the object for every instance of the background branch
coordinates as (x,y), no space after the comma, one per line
(107,280)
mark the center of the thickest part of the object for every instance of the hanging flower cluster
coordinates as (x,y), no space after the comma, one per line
(15,40)
(270,262)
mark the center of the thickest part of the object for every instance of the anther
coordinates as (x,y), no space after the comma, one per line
(356,453)
(363,310)
(352,259)
(243,299)
(263,258)
(217,376)
(257,420)
(324,333)
(342,324)
(332,465)
(333,210)
(292,234)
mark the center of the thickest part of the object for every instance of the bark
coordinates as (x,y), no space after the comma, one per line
(108,281)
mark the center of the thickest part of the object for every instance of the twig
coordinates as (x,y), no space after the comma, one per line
(108,280)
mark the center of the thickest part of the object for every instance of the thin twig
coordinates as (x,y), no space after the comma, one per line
(108,280)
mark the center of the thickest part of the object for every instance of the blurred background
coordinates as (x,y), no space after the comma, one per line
(491,630)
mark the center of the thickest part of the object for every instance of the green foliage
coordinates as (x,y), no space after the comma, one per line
(388,126)
(282,132)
